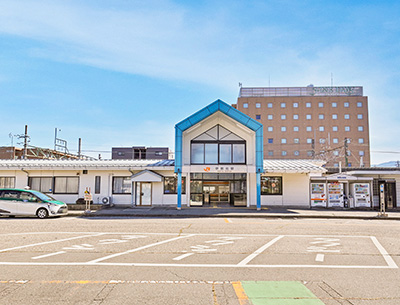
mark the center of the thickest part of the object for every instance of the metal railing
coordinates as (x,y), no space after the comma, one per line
(301,91)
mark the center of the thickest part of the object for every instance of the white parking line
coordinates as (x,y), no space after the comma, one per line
(389,260)
(50,242)
(138,249)
(47,255)
(320,257)
(259,251)
(182,256)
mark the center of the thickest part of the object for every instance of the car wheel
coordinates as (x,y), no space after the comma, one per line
(42,213)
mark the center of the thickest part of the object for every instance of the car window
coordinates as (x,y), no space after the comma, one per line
(25,196)
(10,194)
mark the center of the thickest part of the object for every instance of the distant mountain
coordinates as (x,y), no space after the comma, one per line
(389,164)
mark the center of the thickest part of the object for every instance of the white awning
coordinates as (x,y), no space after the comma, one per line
(147,176)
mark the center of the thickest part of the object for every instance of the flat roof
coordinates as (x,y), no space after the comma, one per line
(301,91)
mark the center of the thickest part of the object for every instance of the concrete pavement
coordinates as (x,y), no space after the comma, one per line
(230,212)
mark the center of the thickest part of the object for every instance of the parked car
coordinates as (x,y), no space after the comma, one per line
(19,202)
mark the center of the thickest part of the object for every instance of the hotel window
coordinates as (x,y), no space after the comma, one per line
(334,116)
(359,104)
(270,116)
(295,116)
(321,141)
(359,116)
(309,141)
(310,153)
(283,116)
(346,128)
(336,153)
(269,105)
(334,128)
(270,152)
(171,185)
(7,182)
(258,116)
(321,128)
(321,116)
(295,128)
(321,105)
(271,185)
(97,184)
(218,145)
(41,184)
(335,164)
(270,128)
(245,105)
(361,140)
(284,152)
(360,128)
(308,105)
(308,128)
(283,105)
(283,128)
(67,185)
(346,105)
(361,153)
(270,140)
(347,116)
(283,141)
(296,153)
(308,116)
(296,140)
(334,105)
(335,140)
(258,105)
(122,185)
(295,105)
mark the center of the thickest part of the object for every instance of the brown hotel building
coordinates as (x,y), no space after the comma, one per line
(311,123)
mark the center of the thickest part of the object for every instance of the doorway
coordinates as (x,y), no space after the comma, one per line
(143,193)
(216,192)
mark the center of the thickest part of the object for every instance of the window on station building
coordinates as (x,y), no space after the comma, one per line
(245,105)
(258,105)
(122,185)
(270,128)
(7,182)
(97,184)
(295,105)
(271,185)
(218,145)
(295,128)
(66,185)
(269,105)
(171,185)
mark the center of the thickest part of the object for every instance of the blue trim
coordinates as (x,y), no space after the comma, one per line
(258,191)
(231,112)
(179,204)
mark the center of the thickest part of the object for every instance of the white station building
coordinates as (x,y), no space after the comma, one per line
(218,162)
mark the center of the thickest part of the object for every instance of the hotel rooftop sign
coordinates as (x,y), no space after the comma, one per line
(301,91)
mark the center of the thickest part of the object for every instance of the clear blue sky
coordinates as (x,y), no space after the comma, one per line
(123,72)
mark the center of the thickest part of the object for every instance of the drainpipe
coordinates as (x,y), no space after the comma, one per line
(27,175)
(133,190)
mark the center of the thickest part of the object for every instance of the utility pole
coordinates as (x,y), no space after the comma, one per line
(79,148)
(26,142)
(346,152)
(313,148)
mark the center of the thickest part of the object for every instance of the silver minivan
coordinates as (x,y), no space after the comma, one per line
(19,202)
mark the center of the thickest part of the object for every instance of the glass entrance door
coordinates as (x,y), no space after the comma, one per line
(216,193)
(143,193)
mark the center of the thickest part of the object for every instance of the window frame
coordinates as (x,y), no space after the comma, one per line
(67,179)
(272,179)
(175,185)
(121,193)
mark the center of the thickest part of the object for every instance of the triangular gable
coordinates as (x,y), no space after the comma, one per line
(146,176)
(231,112)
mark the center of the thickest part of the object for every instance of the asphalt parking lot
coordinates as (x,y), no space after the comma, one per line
(199,261)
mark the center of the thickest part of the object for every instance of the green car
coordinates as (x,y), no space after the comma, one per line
(20,202)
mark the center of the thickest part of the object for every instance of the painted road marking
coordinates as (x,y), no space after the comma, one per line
(49,254)
(259,251)
(182,256)
(227,220)
(51,242)
(276,293)
(323,244)
(241,295)
(320,257)
(389,260)
(138,249)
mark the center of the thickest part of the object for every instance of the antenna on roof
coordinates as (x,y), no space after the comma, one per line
(240,85)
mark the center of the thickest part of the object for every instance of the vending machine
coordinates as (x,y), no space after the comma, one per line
(335,195)
(361,195)
(318,195)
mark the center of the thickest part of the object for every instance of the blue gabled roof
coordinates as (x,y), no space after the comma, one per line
(231,112)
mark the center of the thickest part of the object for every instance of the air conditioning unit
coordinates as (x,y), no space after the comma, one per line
(107,201)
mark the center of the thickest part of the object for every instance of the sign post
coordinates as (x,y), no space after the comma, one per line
(88,198)
(382,211)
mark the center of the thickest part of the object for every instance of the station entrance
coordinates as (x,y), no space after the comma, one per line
(219,189)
